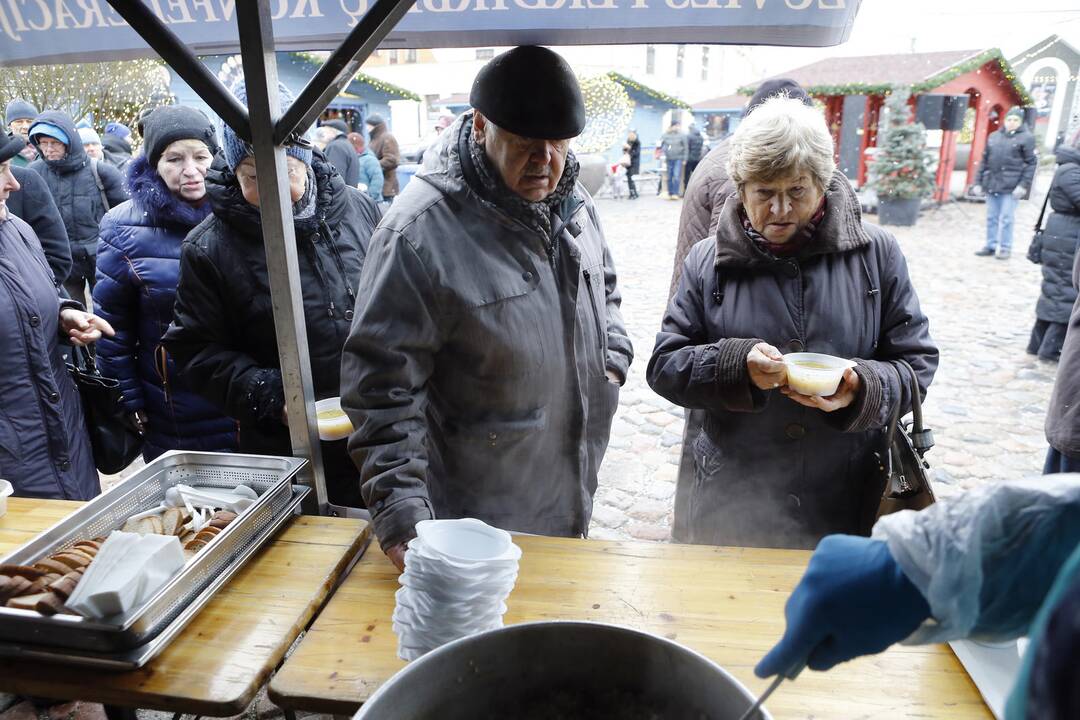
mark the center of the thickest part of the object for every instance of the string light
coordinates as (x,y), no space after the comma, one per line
(95,92)
(608,111)
(666,99)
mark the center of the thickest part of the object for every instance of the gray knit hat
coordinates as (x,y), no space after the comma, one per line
(19,110)
(236,149)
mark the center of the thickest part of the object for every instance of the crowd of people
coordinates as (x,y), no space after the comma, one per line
(471,325)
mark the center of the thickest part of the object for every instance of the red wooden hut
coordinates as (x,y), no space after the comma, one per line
(959,92)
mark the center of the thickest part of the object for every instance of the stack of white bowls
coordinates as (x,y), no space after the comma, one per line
(458,574)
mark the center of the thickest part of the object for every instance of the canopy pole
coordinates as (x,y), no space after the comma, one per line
(177,55)
(342,65)
(279,238)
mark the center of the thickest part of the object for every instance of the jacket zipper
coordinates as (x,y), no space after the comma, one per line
(596,315)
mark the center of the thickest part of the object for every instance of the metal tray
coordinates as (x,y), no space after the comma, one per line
(269,476)
(137,657)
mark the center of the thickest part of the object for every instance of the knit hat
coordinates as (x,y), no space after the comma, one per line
(338,125)
(236,149)
(10,146)
(89,136)
(532,92)
(50,130)
(1015,111)
(165,125)
(118,129)
(777,86)
(19,110)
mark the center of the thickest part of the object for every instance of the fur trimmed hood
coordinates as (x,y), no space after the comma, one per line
(151,196)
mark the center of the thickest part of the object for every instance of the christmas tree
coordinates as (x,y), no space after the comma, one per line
(901,167)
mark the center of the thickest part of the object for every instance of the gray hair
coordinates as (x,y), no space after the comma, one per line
(325,134)
(781,137)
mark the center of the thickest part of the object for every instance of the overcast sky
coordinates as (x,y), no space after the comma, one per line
(892,26)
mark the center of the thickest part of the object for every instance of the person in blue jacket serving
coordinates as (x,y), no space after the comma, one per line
(994,564)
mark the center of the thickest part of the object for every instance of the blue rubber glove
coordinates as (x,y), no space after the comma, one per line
(853,600)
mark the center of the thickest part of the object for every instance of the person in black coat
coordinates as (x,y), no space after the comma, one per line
(694,145)
(1005,175)
(633,149)
(34,203)
(223,337)
(332,138)
(83,189)
(1055,250)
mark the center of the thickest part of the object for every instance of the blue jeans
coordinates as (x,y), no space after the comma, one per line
(674,177)
(1000,208)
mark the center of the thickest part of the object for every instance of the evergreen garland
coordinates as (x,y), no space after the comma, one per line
(901,167)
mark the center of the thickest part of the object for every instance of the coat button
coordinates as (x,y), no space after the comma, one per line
(34,321)
(54,396)
(795,431)
(348,314)
(791,270)
(527,276)
(65,466)
(795,345)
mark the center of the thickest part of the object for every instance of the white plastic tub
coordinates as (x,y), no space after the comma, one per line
(334,424)
(5,490)
(814,373)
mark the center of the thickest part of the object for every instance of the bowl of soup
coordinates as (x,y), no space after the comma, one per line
(815,373)
(334,424)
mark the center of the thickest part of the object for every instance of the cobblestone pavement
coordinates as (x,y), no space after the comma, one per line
(986,404)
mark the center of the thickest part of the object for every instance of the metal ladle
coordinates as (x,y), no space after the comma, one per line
(794,673)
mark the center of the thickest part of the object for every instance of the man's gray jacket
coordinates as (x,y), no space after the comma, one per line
(475,370)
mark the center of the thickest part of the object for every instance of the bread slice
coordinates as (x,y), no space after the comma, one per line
(221,519)
(30,573)
(65,585)
(26,602)
(51,565)
(196,545)
(131,526)
(89,546)
(50,604)
(72,560)
(172,521)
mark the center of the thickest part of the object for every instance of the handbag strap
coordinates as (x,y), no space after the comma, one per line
(83,359)
(916,409)
(1042,212)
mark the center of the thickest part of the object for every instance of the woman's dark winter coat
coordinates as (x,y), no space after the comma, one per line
(33,203)
(1055,248)
(137,271)
(635,157)
(44,449)
(223,337)
(771,472)
(1008,161)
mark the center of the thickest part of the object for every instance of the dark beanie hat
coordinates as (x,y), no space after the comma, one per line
(777,86)
(338,125)
(532,92)
(165,125)
(1017,111)
(19,110)
(10,146)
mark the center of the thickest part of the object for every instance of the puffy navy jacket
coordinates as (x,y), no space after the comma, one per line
(137,272)
(1056,247)
(73,187)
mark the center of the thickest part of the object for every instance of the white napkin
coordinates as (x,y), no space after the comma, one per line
(128,569)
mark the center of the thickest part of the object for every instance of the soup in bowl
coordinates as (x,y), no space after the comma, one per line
(814,373)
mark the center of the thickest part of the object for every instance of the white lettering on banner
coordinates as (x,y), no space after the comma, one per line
(540,4)
(185,12)
(281,11)
(93,15)
(206,8)
(227,8)
(16,17)
(114,17)
(824,5)
(593,5)
(441,6)
(499,5)
(63,15)
(800,5)
(311,11)
(355,9)
(46,15)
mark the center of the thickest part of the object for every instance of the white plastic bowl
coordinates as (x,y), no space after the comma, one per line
(814,373)
(5,490)
(334,424)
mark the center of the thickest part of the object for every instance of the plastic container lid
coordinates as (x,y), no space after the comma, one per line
(466,539)
(334,424)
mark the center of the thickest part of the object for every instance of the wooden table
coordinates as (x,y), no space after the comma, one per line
(724,602)
(226,654)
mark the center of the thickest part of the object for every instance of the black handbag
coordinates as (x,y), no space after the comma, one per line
(903,482)
(1034,253)
(114,437)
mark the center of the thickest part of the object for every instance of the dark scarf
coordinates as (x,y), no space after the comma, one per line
(790,248)
(533,214)
(150,194)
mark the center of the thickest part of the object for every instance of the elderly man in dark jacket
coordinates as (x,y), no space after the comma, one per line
(84,190)
(385,147)
(222,336)
(485,359)
(34,203)
(1007,170)
(332,138)
(1055,250)
(792,267)
(694,145)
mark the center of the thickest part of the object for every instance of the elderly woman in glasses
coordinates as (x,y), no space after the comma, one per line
(792,267)
(222,335)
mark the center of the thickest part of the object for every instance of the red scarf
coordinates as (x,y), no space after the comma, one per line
(792,247)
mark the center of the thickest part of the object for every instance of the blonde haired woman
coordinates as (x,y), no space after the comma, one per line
(792,267)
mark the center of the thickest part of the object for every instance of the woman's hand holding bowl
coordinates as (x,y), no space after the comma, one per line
(766,367)
(844,395)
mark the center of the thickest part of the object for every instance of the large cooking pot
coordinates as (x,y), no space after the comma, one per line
(561,671)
